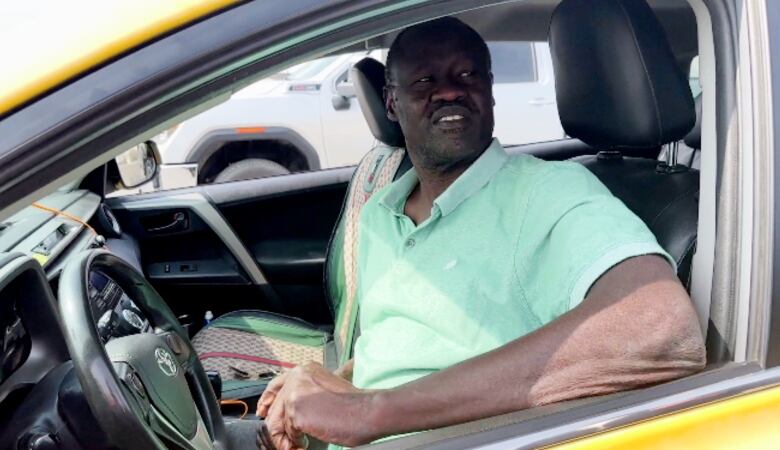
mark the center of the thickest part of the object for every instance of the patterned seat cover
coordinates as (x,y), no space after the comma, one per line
(252,346)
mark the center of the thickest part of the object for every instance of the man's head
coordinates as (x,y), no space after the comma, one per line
(440,90)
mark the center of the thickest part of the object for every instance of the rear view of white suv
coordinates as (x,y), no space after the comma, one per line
(307,118)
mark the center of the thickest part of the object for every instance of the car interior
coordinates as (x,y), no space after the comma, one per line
(253,272)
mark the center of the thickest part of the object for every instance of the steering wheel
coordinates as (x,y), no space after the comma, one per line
(148,390)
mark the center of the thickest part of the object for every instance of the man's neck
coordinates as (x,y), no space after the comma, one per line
(433,181)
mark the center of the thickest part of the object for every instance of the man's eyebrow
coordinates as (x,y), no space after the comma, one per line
(415,70)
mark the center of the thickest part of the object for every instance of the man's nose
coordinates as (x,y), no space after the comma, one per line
(448,90)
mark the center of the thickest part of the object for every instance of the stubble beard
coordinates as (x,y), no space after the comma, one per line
(443,156)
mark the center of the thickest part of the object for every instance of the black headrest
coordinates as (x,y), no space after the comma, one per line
(368,77)
(693,138)
(616,79)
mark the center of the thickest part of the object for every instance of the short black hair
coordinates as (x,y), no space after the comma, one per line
(450,23)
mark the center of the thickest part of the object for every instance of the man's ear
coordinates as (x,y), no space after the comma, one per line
(389,104)
(492,97)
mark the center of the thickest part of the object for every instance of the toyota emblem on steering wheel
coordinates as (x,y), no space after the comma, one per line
(166,362)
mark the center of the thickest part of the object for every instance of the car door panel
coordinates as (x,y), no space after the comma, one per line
(288,232)
(257,244)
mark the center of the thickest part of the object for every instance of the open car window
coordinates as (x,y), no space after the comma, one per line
(307,118)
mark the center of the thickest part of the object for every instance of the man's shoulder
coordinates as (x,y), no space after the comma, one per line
(550,177)
(525,163)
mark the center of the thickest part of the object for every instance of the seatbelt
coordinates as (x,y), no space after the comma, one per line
(375,171)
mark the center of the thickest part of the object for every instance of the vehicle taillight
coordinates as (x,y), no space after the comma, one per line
(304,87)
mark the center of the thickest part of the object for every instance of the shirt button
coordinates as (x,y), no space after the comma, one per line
(410,243)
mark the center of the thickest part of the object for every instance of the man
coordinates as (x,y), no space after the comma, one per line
(487,283)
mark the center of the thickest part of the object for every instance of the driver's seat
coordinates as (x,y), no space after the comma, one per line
(248,347)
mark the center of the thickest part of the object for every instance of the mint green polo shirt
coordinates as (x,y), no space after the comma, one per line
(512,244)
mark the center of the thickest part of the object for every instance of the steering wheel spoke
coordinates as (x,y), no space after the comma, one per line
(169,433)
(134,389)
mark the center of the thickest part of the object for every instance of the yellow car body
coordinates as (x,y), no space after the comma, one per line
(746,421)
(89,34)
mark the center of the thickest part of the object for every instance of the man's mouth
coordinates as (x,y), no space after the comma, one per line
(451,118)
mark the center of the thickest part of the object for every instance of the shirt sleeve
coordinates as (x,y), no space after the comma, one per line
(575,230)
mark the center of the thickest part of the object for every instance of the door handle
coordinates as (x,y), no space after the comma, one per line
(179,223)
(541,101)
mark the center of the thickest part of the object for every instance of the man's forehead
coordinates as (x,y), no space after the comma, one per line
(425,50)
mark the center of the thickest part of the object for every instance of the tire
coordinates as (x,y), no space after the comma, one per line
(248,169)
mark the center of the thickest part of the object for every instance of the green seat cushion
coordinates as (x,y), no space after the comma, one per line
(280,327)
(247,347)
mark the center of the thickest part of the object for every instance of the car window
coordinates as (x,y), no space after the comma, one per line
(307,117)
(309,69)
(513,62)
(693,77)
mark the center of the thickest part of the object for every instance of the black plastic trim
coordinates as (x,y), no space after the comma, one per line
(238,192)
(24,282)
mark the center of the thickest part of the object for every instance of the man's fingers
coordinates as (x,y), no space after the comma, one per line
(296,436)
(270,392)
(269,395)
(264,404)
(264,438)
(276,427)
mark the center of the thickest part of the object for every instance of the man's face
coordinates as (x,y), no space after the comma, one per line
(441,93)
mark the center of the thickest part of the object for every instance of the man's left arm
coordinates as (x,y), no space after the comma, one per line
(636,327)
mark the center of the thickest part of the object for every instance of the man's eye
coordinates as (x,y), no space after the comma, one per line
(467,74)
(424,80)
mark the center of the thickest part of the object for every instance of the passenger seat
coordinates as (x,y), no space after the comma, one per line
(619,88)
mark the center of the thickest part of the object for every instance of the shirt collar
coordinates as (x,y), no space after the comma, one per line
(467,184)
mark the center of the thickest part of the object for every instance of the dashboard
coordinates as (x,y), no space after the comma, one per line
(50,232)
(37,384)
(15,339)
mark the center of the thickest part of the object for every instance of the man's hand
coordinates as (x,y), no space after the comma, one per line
(309,400)
(276,384)
(269,395)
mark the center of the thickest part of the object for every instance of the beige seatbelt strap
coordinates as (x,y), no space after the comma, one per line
(375,172)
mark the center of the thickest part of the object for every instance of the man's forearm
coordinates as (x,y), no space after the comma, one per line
(611,342)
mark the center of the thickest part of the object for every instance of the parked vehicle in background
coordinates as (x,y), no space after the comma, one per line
(307,118)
